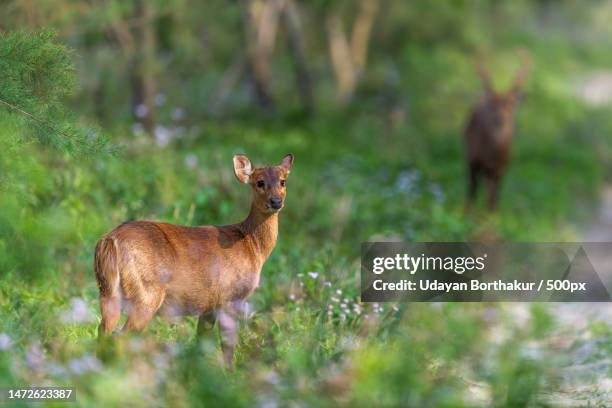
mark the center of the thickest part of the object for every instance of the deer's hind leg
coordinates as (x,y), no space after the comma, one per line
(474,174)
(142,308)
(110,306)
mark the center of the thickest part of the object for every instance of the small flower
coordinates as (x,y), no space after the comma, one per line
(178,114)
(437,193)
(292,296)
(343,305)
(327,284)
(395,308)
(141,111)
(272,378)
(245,309)
(84,364)
(313,275)
(162,136)
(35,357)
(338,291)
(191,161)
(342,317)
(5,342)
(78,312)
(330,313)
(160,99)
(335,299)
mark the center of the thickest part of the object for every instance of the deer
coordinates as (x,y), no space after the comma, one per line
(145,267)
(489,132)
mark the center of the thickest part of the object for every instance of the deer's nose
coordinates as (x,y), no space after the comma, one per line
(276,203)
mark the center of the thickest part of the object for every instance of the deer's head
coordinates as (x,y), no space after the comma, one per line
(504,102)
(268,183)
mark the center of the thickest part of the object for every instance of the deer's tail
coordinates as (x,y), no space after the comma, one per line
(106,267)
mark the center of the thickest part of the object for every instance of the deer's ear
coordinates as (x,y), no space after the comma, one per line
(242,168)
(287,162)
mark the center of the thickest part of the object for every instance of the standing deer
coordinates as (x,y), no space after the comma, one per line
(488,135)
(209,271)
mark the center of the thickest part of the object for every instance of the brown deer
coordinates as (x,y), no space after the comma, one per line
(144,267)
(488,135)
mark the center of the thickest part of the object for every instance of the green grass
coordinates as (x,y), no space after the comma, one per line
(388,166)
(301,346)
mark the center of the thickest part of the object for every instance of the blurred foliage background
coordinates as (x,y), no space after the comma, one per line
(117,110)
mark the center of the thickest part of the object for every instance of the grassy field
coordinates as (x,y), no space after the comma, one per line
(364,172)
(309,341)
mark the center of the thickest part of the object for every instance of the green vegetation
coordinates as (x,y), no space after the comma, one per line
(386,162)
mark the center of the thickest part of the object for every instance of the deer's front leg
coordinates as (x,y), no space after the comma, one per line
(493,185)
(228,325)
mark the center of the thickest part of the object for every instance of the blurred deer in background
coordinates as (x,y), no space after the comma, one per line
(488,135)
(209,271)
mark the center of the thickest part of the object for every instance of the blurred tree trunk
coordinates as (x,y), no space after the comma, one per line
(261,26)
(349,56)
(32,14)
(144,86)
(303,79)
(137,41)
(226,84)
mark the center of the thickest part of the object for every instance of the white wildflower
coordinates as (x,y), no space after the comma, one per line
(35,357)
(84,364)
(78,312)
(160,99)
(191,161)
(141,111)
(5,342)
(163,136)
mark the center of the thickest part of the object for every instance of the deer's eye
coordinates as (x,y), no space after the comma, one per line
(282,183)
(261,184)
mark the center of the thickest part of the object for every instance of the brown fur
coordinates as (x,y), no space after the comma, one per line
(208,270)
(488,135)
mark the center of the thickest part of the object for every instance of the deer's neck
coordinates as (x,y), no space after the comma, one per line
(262,230)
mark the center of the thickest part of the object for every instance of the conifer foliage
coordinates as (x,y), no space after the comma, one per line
(37,77)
